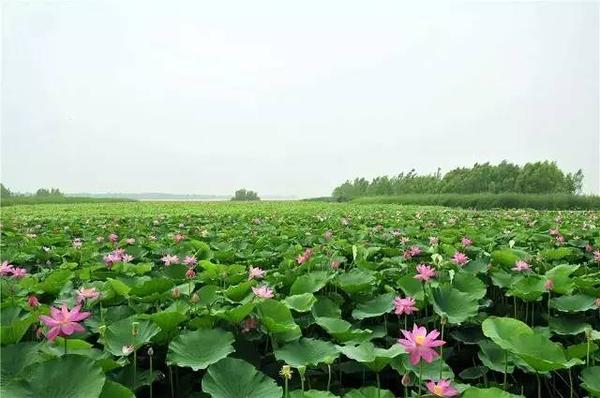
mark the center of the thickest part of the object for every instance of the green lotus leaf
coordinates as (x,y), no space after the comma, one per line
(369,392)
(235,378)
(453,304)
(529,288)
(557,253)
(69,376)
(411,287)
(119,334)
(590,380)
(277,319)
(310,283)
(506,257)
(13,325)
(560,276)
(238,292)
(494,357)
(112,389)
(333,325)
(568,325)
(311,394)
(493,392)
(355,281)
(236,314)
(470,284)
(16,357)
(325,307)
(503,330)
(54,282)
(300,302)
(374,358)
(377,306)
(200,348)
(208,294)
(152,286)
(575,303)
(307,352)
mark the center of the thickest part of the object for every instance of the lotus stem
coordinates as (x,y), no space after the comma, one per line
(65,339)
(505,370)
(378,385)
(443,323)
(328,376)
(171,382)
(150,354)
(420,376)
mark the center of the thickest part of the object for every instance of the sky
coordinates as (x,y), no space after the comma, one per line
(291,98)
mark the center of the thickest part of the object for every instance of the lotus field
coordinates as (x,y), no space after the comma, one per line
(295,299)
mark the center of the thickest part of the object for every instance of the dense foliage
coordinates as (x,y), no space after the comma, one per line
(559,201)
(229,300)
(538,177)
(245,195)
(46,196)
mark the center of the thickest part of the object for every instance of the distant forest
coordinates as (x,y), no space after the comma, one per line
(539,177)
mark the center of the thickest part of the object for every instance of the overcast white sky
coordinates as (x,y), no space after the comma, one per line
(290,98)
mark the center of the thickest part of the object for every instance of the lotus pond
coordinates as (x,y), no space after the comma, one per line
(298,299)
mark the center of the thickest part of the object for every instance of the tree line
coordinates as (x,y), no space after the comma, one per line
(505,177)
(40,193)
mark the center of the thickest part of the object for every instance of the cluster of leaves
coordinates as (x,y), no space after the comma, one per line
(329,330)
(538,177)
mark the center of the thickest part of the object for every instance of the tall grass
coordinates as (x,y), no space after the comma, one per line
(492,201)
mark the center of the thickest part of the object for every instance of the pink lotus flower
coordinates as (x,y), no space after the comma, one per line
(249,324)
(263,291)
(77,243)
(419,344)
(255,273)
(130,241)
(521,266)
(190,261)
(64,322)
(549,284)
(553,232)
(100,239)
(190,273)
(589,248)
(466,241)
(335,264)
(404,240)
(113,237)
(18,273)
(597,255)
(168,259)
(6,268)
(425,272)
(87,294)
(127,349)
(560,240)
(178,238)
(442,388)
(433,241)
(460,258)
(127,258)
(304,257)
(404,305)
(33,301)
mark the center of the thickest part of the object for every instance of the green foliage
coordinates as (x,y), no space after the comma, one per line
(245,195)
(539,177)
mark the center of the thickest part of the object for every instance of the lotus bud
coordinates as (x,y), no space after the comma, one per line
(437,258)
(195,298)
(406,381)
(549,284)
(588,334)
(150,351)
(176,293)
(135,328)
(443,320)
